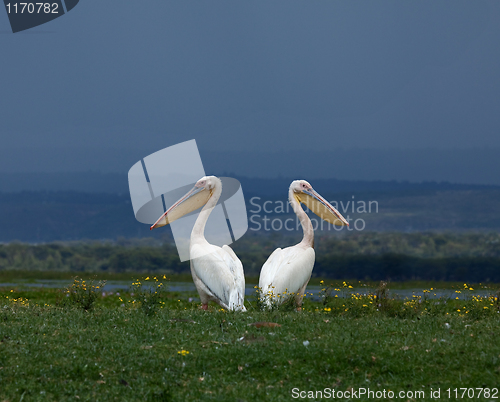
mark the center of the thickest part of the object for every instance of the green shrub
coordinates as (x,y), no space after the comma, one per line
(82,294)
(149,294)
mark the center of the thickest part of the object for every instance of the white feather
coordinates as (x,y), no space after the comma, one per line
(218,275)
(287,270)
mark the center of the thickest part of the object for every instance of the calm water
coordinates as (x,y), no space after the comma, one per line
(188,287)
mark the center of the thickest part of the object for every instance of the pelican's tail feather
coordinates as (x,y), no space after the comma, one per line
(236,301)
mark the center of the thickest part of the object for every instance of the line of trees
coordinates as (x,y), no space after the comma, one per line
(368,256)
(399,267)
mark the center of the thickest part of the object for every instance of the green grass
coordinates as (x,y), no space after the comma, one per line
(116,352)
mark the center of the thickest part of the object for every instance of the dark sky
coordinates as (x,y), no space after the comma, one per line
(114,80)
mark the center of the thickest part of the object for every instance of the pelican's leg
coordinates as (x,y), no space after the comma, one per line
(204,300)
(299,297)
(200,287)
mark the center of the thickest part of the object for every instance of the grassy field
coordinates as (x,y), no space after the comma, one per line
(53,349)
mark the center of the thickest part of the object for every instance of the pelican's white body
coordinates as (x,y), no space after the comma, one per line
(287,271)
(218,275)
(217,272)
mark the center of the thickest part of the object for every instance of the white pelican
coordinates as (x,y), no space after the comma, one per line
(287,271)
(217,272)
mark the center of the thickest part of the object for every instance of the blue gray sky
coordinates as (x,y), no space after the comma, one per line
(346,89)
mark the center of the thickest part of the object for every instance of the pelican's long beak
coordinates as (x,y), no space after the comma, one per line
(193,200)
(321,207)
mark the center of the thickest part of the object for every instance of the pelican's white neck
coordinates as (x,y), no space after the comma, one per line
(198,233)
(308,239)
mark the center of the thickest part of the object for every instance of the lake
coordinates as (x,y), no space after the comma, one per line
(188,287)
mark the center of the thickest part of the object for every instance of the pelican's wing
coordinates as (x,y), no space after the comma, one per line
(287,270)
(237,269)
(215,268)
(269,269)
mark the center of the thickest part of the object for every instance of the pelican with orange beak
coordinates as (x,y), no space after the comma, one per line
(287,271)
(217,272)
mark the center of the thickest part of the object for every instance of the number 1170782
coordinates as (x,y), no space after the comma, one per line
(32,8)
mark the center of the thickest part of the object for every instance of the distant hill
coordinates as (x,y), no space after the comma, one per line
(87,182)
(117,183)
(96,212)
